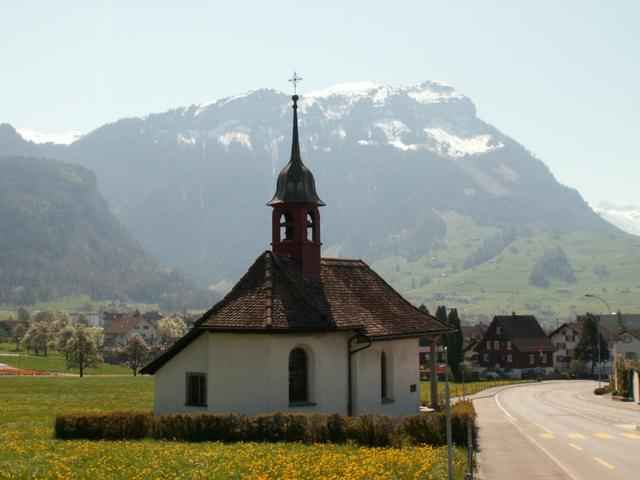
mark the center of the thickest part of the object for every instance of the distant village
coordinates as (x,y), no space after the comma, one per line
(509,347)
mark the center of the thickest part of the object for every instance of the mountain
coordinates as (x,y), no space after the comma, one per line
(437,200)
(390,162)
(59,238)
(626,218)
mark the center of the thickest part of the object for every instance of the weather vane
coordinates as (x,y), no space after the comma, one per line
(295,79)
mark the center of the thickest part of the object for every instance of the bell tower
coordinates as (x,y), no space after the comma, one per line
(296,215)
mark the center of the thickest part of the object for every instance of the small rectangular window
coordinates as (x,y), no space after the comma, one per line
(496,345)
(488,344)
(498,330)
(544,358)
(510,358)
(532,359)
(197,389)
(485,357)
(508,344)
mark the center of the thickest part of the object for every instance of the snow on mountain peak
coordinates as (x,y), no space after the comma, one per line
(626,218)
(65,138)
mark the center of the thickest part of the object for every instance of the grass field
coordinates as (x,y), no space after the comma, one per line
(469,388)
(500,285)
(53,362)
(28,406)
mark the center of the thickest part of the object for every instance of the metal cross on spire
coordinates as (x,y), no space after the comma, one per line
(295,79)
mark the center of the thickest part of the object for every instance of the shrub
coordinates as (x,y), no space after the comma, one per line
(369,430)
(108,426)
(602,390)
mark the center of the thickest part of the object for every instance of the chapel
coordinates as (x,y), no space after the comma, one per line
(298,332)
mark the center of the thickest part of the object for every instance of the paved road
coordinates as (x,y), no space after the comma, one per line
(557,430)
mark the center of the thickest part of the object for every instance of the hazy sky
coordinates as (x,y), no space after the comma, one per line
(561,77)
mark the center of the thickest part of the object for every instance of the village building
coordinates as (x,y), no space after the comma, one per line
(515,346)
(92,319)
(118,331)
(627,345)
(299,333)
(565,338)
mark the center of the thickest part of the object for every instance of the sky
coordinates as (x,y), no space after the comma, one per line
(561,77)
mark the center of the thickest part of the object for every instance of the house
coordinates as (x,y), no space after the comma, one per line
(299,333)
(627,345)
(118,331)
(93,319)
(565,338)
(516,346)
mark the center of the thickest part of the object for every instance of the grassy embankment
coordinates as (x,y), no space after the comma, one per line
(28,406)
(501,284)
(53,362)
(470,388)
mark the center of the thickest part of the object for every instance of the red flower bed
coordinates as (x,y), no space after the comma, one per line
(20,371)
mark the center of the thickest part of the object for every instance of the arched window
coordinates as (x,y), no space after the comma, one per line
(383,376)
(311,226)
(298,376)
(286,227)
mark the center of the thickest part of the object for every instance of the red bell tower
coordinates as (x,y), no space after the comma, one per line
(296,215)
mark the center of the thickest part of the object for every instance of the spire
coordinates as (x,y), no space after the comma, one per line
(295,182)
(295,143)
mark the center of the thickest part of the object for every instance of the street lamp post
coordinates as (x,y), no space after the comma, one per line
(591,295)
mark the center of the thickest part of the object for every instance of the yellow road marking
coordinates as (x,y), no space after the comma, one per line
(548,436)
(633,436)
(603,463)
(542,427)
(573,445)
(576,436)
(604,436)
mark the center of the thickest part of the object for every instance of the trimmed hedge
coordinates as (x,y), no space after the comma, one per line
(370,430)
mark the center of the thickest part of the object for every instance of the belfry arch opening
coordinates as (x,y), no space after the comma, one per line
(286,227)
(311,226)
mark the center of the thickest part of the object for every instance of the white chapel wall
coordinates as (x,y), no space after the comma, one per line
(403,370)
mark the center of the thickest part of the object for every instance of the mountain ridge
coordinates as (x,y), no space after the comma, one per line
(402,155)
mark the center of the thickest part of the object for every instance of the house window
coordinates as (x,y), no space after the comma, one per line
(146,327)
(496,345)
(286,227)
(532,359)
(544,358)
(298,376)
(383,376)
(510,358)
(311,226)
(508,344)
(485,357)
(498,330)
(197,389)
(488,344)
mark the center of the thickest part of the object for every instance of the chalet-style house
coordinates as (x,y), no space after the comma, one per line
(118,331)
(516,346)
(299,333)
(627,345)
(565,338)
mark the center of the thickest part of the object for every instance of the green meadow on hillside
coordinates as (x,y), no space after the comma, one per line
(501,285)
(28,406)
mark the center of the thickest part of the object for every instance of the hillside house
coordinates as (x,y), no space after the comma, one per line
(515,346)
(299,333)
(118,331)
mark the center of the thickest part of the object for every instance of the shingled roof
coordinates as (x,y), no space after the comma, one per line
(525,332)
(274,297)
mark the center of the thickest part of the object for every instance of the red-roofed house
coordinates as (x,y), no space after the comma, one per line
(121,328)
(299,333)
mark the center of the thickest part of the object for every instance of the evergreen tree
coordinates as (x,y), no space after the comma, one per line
(454,343)
(587,346)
